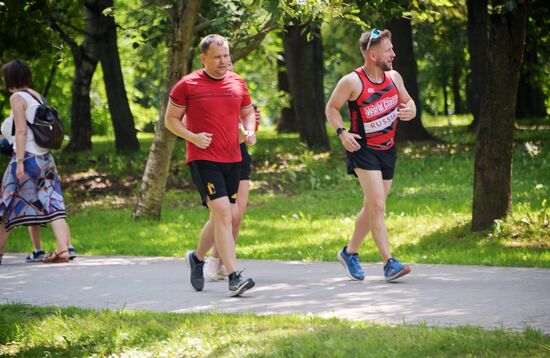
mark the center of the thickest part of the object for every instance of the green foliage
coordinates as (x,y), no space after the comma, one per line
(20,22)
(37,332)
(446,27)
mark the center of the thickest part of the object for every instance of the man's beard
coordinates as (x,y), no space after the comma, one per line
(384,66)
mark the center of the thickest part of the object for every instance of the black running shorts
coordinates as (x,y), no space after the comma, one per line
(215,180)
(370,159)
(246,163)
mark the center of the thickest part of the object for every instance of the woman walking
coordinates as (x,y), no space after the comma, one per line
(31,192)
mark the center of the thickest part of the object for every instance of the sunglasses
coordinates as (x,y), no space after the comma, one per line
(374,34)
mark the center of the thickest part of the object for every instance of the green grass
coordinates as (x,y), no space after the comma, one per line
(72,332)
(303,205)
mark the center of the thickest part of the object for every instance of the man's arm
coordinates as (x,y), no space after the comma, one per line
(407,107)
(342,93)
(248,119)
(173,119)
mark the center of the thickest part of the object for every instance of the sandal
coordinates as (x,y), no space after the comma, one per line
(55,257)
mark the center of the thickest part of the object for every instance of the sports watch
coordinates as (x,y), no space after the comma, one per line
(339,131)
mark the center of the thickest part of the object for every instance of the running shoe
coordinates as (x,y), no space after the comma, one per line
(35,256)
(72,253)
(238,284)
(350,261)
(393,269)
(196,277)
(213,270)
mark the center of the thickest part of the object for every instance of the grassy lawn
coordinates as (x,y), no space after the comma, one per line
(303,205)
(46,331)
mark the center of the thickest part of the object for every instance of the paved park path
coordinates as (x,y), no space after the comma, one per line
(442,295)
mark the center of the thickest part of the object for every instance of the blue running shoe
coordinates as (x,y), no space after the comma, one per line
(351,264)
(393,269)
(197,277)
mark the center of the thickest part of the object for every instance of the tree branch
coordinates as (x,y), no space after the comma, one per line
(252,42)
(68,39)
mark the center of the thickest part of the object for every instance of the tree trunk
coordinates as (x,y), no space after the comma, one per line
(493,161)
(85,63)
(455,84)
(104,33)
(530,101)
(445,98)
(149,202)
(405,64)
(304,63)
(477,45)
(286,122)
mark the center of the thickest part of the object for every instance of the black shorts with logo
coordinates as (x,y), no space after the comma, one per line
(370,159)
(215,180)
(246,163)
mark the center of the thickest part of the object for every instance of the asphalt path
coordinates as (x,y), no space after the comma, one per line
(437,295)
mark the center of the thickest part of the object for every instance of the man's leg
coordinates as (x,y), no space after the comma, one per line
(240,207)
(376,192)
(371,217)
(206,238)
(220,210)
(238,210)
(214,268)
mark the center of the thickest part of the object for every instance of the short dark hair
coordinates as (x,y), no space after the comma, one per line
(365,37)
(16,74)
(210,39)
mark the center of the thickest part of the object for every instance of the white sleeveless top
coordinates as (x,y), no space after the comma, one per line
(30,146)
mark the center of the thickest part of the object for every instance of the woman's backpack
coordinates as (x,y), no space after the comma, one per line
(47,128)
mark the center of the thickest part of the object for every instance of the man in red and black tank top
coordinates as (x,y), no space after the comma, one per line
(373,114)
(377,99)
(213,100)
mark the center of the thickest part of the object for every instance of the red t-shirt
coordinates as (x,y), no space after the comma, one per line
(212,106)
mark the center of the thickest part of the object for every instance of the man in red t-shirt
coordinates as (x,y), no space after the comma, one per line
(213,100)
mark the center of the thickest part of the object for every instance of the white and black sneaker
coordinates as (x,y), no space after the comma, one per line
(72,253)
(238,284)
(35,256)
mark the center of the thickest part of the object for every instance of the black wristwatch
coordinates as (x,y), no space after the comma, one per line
(339,131)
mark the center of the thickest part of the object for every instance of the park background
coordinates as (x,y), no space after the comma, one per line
(473,175)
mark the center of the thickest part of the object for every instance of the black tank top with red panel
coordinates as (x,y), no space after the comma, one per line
(373,114)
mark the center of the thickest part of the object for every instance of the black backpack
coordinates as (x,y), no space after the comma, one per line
(47,128)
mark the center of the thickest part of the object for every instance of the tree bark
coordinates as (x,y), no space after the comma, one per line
(493,160)
(104,33)
(455,84)
(530,100)
(445,97)
(286,123)
(477,46)
(304,63)
(405,64)
(149,202)
(85,63)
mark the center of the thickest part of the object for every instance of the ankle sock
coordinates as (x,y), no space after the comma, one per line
(196,259)
(232,275)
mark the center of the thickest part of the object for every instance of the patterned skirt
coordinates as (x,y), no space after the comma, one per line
(37,199)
